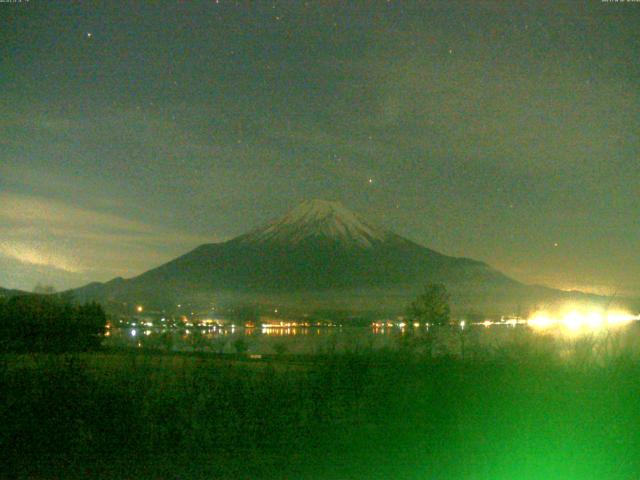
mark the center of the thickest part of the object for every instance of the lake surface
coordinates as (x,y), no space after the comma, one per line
(318,340)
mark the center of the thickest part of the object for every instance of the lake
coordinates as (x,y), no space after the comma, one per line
(317,340)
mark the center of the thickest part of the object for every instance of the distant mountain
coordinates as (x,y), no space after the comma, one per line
(320,255)
(6,293)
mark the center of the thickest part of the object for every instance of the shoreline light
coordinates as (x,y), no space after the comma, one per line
(580,320)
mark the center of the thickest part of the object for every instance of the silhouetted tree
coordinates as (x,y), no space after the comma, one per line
(220,342)
(44,289)
(167,340)
(197,341)
(88,325)
(49,323)
(246,313)
(241,346)
(431,306)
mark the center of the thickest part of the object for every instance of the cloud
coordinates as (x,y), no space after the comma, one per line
(34,256)
(23,209)
(84,244)
(30,214)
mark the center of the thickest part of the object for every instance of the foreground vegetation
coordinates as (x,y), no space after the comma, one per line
(49,323)
(521,412)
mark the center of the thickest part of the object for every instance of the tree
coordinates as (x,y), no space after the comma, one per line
(246,313)
(220,342)
(88,325)
(241,346)
(44,289)
(431,306)
(167,340)
(46,323)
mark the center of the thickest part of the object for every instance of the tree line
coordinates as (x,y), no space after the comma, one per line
(49,323)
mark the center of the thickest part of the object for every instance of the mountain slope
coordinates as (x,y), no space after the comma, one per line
(6,293)
(319,219)
(319,253)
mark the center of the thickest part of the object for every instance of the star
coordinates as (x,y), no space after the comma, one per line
(89,34)
(371,180)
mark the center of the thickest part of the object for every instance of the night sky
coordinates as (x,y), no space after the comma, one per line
(503,131)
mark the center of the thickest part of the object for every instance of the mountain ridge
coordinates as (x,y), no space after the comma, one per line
(319,250)
(318,218)
(9,292)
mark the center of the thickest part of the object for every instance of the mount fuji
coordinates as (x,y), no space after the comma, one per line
(319,255)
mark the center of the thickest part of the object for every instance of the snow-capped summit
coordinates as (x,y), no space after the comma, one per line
(320,255)
(319,220)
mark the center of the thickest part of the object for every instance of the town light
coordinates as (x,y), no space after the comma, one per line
(581,320)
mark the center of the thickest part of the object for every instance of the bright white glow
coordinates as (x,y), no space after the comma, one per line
(133,332)
(620,318)
(576,319)
(39,255)
(594,320)
(573,321)
(462,324)
(541,321)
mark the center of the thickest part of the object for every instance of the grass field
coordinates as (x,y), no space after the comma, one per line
(521,412)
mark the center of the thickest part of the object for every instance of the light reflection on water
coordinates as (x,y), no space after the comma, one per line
(292,331)
(314,339)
